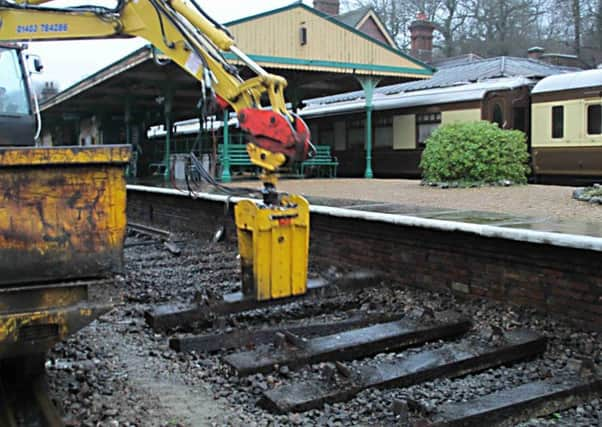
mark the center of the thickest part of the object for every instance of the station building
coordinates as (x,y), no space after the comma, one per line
(319,51)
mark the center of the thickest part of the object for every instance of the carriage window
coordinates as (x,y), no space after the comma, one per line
(558,122)
(498,116)
(520,118)
(594,119)
(426,124)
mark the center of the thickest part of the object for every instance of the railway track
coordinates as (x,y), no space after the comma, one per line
(307,362)
(459,351)
(361,350)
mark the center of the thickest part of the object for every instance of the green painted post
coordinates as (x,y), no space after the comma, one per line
(98,114)
(167,153)
(127,118)
(167,111)
(368,85)
(368,173)
(226,176)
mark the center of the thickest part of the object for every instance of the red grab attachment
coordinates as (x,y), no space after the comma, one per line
(274,132)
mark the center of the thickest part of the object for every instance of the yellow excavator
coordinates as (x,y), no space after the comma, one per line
(61,225)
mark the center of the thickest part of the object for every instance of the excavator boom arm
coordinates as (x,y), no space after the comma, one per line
(182,32)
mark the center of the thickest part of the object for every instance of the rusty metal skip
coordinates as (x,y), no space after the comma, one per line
(62,230)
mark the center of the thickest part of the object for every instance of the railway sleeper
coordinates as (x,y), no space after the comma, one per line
(169,316)
(348,345)
(451,360)
(509,407)
(238,338)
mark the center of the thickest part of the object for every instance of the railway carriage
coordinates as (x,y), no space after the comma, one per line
(566,136)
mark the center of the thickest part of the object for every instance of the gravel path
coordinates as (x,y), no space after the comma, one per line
(118,372)
(553,202)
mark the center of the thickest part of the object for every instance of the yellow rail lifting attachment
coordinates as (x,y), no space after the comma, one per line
(273,240)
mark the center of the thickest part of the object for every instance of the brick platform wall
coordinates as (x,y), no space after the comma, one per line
(552,279)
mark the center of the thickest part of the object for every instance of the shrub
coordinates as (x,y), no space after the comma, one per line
(589,194)
(475,152)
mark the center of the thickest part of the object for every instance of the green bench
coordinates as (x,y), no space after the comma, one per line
(238,156)
(157,168)
(321,161)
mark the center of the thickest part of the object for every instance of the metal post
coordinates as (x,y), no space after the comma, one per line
(368,173)
(368,84)
(226,176)
(167,111)
(127,118)
(99,122)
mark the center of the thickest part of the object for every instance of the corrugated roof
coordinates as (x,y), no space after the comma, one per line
(382,101)
(132,59)
(453,61)
(569,81)
(475,71)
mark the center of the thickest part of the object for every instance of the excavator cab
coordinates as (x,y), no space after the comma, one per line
(17,119)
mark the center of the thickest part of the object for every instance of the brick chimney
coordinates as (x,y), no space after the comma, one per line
(421,31)
(48,91)
(330,7)
(536,52)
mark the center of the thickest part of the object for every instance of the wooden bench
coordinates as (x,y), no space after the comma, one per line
(322,160)
(238,156)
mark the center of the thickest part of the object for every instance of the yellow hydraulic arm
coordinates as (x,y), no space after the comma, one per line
(181,30)
(273,235)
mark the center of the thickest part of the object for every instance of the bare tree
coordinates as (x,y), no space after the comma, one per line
(576,14)
(499,27)
(598,17)
(450,20)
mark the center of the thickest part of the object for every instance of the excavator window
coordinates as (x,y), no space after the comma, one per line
(13,92)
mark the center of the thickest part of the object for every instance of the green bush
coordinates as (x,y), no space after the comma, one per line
(475,152)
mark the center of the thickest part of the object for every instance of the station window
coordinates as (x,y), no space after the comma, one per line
(303,36)
(425,125)
(325,134)
(594,120)
(383,131)
(356,134)
(558,122)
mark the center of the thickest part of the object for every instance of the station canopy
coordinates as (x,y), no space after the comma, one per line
(318,55)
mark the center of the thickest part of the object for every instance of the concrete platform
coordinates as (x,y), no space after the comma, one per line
(505,220)
(534,207)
